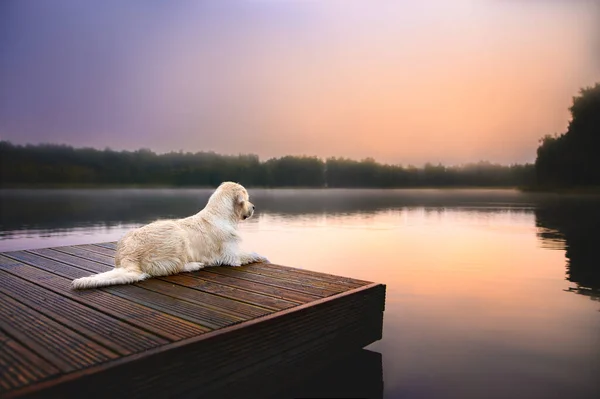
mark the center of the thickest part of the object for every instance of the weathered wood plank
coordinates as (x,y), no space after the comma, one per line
(229,306)
(110,245)
(85,254)
(237,272)
(19,366)
(253,298)
(350,282)
(114,334)
(49,265)
(153,338)
(344,321)
(256,287)
(274,270)
(98,249)
(200,315)
(89,265)
(268,271)
(103,263)
(62,347)
(219,304)
(203,316)
(163,325)
(298,281)
(354,283)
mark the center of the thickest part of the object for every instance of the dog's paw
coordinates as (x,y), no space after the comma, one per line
(233,262)
(259,258)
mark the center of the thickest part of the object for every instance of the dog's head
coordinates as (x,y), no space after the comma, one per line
(234,197)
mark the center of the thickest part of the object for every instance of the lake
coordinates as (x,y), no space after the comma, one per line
(490,293)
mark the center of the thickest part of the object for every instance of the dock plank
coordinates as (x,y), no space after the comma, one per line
(253,286)
(203,316)
(98,249)
(304,288)
(109,245)
(253,298)
(332,285)
(62,347)
(98,263)
(86,254)
(339,283)
(230,306)
(200,315)
(19,366)
(56,255)
(335,287)
(108,331)
(310,274)
(218,332)
(234,308)
(350,282)
(166,326)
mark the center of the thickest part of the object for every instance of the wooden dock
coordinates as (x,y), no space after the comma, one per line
(219,332)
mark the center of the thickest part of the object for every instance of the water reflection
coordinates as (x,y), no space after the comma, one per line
(56,209)
(573,224)
(39,218)
(475,304)
(357,375)
(50,216)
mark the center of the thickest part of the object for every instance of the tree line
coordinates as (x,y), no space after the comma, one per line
(48,164)
(565,160)
(571,158)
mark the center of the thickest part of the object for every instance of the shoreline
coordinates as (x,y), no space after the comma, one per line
(167,186)
(561,190)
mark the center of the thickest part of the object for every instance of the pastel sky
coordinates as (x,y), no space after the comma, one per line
(448,81)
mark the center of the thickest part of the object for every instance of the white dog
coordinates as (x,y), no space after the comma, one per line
(164,247)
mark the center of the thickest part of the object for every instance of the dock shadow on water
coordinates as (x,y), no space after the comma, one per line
(357,374)
(573,225)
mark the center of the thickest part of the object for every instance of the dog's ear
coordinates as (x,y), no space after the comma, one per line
(239,198)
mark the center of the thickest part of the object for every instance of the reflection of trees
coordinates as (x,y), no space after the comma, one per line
(576,224)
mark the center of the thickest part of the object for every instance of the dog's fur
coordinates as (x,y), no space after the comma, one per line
(164,247)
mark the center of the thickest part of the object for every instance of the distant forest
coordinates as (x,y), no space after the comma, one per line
(563,161)
(61,165)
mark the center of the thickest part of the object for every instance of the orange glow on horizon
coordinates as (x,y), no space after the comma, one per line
(400,81)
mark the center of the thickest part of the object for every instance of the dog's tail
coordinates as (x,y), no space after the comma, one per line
(113,277)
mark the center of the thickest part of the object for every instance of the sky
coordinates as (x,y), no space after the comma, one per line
(404,82)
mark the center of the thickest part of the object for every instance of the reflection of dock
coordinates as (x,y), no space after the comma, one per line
(218,332)
(357,375)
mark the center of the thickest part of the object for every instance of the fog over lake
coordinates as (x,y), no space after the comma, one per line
(490,293)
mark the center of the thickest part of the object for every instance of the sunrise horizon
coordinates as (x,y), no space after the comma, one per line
(263,159)
(401,82)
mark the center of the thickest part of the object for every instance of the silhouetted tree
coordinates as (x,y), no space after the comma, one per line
(571,159)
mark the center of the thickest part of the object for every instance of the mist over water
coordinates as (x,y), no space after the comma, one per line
(490,293)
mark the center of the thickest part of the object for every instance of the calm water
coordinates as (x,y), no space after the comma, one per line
(491,293)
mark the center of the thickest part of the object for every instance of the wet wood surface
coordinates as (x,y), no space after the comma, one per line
(191,332)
